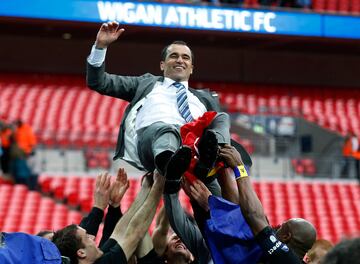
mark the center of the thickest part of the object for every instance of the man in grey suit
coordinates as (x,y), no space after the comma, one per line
(149,135)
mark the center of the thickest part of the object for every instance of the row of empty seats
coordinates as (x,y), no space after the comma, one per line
(28,211)
(76,116)
(64,115)
(338,111)
(334,208)
(78,191)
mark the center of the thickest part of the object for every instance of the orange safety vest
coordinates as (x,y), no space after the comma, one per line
(25,138)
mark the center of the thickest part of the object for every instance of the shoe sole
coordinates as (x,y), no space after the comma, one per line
(178,164)
(207,151)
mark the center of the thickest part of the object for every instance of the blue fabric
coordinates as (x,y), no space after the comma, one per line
(228,236)
(21,248)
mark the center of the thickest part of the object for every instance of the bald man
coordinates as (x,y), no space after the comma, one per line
(298,234)
(294,237)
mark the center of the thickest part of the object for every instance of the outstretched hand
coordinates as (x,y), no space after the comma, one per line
(107,34)
(102,190)
(231,156)
(200,193)
(118,188)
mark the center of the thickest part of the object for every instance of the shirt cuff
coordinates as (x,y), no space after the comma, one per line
(96,57)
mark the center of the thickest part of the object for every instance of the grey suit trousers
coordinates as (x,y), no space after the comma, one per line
(160,137)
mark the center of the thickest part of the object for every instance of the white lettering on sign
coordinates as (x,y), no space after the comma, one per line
(187,17)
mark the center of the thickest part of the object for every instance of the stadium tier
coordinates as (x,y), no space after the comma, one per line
(63,115)
(334,109)
(27,211)
(68,115)
(332,207)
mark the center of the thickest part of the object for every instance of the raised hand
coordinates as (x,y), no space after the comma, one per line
(102,190)
(200,193)
(231,156)
(118,188)
(107,34)
(159,179)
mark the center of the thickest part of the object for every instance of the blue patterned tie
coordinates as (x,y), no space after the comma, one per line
(182,102)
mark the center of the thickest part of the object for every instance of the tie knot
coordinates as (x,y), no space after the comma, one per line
(178,85)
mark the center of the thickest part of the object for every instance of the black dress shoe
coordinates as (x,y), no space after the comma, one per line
(161,161)
(178,163)
(208,149)
(176,167)
(208,153)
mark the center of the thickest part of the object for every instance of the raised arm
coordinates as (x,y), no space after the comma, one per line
(101,199)
(140,222)
(160,233)
(200,193)
(229,190)
(187,230)
(249,202)
(150,249)
(118,86)
(117,190)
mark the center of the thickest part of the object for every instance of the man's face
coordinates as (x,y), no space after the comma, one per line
(282,231)
(178,63)
(90,251)
(176,249)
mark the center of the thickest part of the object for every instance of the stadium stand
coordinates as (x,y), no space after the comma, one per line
(27,211)
(65,115)
(330,108)
(74,116)
(332,207)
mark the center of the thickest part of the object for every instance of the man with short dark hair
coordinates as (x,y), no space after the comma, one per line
(74,242)
(149,135)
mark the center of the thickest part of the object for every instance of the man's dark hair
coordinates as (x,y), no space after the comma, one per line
(346,252)
(68,242)
(178,42)
(44,233)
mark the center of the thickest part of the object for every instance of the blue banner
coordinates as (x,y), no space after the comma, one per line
(186,17)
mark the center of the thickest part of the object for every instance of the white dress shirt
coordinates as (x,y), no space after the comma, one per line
(161,105)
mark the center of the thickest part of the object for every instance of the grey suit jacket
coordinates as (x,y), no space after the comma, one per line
(133,89)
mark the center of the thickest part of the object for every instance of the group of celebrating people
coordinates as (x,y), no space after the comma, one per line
(181,137)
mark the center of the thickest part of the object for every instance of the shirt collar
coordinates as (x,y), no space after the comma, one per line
(168,82)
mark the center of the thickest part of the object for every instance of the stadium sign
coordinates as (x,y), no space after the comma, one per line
(186,17)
